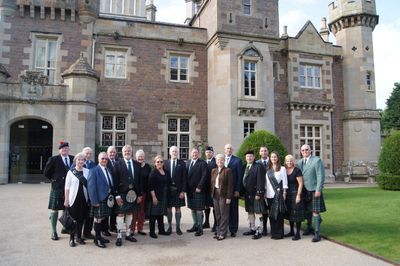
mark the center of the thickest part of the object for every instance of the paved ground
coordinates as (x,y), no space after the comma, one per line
(25,240)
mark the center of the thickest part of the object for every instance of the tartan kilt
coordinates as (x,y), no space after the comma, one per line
(313,204)
(295,212)
(127,207)
(175,201)
(161,207)
(197,201)
(254,206)
(102,211)
(56,199)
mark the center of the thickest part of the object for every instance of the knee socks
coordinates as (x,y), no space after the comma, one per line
(178,216)
(53,221)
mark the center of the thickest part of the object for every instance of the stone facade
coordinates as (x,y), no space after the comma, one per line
(124,78)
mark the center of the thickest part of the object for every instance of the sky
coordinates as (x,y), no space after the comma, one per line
(295,13)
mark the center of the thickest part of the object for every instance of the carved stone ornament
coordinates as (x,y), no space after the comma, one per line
(32,83)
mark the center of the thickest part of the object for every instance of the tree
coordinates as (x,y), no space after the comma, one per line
(391,115)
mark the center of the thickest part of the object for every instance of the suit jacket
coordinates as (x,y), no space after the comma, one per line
(235,164)
(121,177)
(260,161)
(225,182)
(98,185)
(110,165)
(313,173)
(197,176)
(56,171)
(210,166)
(254,183)
(180,177)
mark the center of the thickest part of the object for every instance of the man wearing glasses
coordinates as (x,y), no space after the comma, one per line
(313,171)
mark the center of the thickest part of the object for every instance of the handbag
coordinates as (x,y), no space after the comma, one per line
(68,221)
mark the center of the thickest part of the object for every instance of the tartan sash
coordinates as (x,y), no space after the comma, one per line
(278,204)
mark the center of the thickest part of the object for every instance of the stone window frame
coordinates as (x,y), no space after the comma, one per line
(189,63)
(114,131)
(128,8)
(311,140)
(115,50)
(246,4)
(313,76)
(249,54)
(184,151)
(248,128)
(34,37)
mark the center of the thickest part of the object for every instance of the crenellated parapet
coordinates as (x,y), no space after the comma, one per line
(366,20)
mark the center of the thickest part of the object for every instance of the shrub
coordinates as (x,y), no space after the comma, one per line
(388,162)
(388,181)
(261,138)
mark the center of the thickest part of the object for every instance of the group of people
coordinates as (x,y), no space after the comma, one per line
(117,194)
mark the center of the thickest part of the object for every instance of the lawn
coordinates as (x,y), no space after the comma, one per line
(366,218)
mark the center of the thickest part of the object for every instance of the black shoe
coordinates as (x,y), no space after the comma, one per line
(153,235)
(100,243)
(119,242)
(130,238)
(88,236)
(72,243)
(104,240)
(54,236)
(80,241)
(265,232)
(215,236)
(233,234)
(308,231)
(64,232)
(199,233)
(163,233)
(106,233)
(289,234)
(141,233)
(257,236)
(316,238)
(178,231)
(296,237)
(169,230)
(206,225)
(191,230)
(249,233)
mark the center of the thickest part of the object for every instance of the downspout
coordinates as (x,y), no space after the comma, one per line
(93,48)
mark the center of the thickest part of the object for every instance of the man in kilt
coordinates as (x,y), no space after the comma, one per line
(177,169)
(264,160)
(56,170)
(128,192)
(211,164)
(254,190)
(313,171)
(100,190)
(197,175)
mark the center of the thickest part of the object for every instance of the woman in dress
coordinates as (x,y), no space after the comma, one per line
(294,202)
(76,196)
(159,185)
(276,194)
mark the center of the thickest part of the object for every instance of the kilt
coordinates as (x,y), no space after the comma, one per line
(175,201)
(254,206)
(127,207)
(161,207)
(295,212)
(313,204)
(197,201)
(102,211)
(56,199)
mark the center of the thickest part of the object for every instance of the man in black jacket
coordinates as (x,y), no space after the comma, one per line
(56,170)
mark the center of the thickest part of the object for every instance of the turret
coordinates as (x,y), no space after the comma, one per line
(88,10)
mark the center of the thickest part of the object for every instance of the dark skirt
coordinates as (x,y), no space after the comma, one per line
(126,207)
(56,199)
(79,209)
(102,211)
(197,201)
(295,211)
(161,207)
(254,206)
(174,200)
(313,204)
(277,231)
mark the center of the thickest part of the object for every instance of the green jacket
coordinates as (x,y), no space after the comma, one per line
(313,173)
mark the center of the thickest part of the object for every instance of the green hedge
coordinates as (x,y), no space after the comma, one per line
(388,181)
(388,162)
(261,138)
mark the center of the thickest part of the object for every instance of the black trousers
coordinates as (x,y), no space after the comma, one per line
(160,223)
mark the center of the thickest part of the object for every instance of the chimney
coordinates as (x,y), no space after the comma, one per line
(324,30)
(151,10)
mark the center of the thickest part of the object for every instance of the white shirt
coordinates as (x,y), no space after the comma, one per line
(105,174)
(280,176)
(217,179)
(227,160)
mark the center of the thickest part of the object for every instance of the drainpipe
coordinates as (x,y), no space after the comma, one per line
(93,46)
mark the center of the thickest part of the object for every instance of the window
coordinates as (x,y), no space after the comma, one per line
(249,78)
(113,131)
(45,57)
(118,7)
(179,135)
(178,68)
(368,81)
(248,128)
(115,64)
(310,76)
(246,7)
(311,135)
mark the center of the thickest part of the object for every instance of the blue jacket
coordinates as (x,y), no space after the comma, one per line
(97,185)
(235,164)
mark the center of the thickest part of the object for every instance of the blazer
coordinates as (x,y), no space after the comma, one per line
(254,183)
(98,185)
(89,164)
(110,165)
(157,183)
(210,166)
(56,171)
(72,184)
(180,177)
(197,176)
(225,182)
(121,177)
(235,164)
(313,173)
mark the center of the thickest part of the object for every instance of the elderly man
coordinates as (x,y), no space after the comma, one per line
(264,160)
(236,165)
(128,192)
(56,170)
(313,171)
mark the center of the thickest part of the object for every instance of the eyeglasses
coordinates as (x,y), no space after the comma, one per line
(159,161)
(305,150)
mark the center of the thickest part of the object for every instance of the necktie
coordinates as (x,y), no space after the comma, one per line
(112,162)
(265,162)
(130,170)
(304,161)
(191,165)
(66,162)
(173,168)
(246,171)
(108,178)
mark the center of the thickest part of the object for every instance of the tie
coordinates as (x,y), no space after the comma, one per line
(191,165)
(246,171)
(265,162)
(66,162)
(130,170)
(173,168)
(226,161)
(108,178)
(112,162)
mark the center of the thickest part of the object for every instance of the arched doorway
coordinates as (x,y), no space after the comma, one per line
(30,146)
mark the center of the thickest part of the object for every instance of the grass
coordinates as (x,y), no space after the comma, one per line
(366,218)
